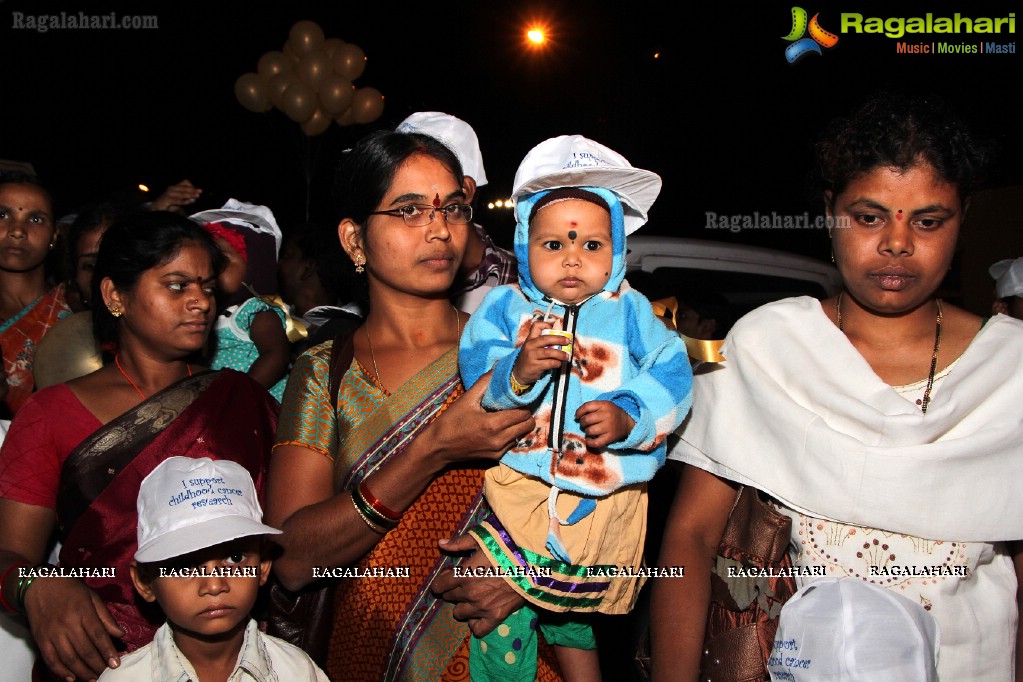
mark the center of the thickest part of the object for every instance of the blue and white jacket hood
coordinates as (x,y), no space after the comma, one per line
(524,206)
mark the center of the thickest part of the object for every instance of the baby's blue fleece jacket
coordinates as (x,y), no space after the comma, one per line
(622,353)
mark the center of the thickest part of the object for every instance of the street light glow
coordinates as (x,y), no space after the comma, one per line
(537,36)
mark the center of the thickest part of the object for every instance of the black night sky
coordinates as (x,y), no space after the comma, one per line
(718,112)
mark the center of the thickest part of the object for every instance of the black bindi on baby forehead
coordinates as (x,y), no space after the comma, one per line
(572,234)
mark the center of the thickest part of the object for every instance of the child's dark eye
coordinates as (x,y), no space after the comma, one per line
(592,245)
(235,558)
(552,245)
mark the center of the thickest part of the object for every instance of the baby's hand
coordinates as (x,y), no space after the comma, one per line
(603,423)
(535,358)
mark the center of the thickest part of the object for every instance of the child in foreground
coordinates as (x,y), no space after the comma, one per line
(569,499)
(202,557)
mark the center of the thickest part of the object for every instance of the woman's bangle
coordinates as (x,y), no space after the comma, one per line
(517,387)
(372,526)
(27,580)
(373,515)
(378,506)
(3,582)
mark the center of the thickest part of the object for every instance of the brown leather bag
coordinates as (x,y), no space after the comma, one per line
(304,618)
(744,609)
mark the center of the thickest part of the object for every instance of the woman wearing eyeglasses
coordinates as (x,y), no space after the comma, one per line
(371,471)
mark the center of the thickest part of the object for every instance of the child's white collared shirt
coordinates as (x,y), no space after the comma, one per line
(262,659)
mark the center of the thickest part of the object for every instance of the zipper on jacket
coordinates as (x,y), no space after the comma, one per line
(556,435)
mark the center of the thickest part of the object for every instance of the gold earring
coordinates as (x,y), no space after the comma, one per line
(115,311)
(360,261)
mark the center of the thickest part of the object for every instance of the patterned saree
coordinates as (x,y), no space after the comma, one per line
(392,628)
(222,415)
(19,337)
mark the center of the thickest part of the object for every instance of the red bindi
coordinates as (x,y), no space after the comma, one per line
(898,216)
(436,201)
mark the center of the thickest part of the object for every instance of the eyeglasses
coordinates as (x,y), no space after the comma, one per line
(416,215)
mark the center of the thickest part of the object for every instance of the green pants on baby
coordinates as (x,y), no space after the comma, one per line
(509,653)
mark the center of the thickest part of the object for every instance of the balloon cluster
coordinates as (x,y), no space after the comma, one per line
(310,80)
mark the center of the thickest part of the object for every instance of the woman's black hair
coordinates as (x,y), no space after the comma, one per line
(92,217)
(366,171)
(21,178)
(138,243)
(901,131)
(323,248)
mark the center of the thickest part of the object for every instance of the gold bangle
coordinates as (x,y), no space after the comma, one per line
(372,526)
(517,387)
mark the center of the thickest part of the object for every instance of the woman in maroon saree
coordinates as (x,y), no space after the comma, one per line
(74,458)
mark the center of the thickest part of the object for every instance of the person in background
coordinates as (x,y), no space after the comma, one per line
(704,315)
(84,235)
(250,333)
(84,229)
(175,198)
(30,304)
(203,554)
(1008,276)
(485,265)
(311,283)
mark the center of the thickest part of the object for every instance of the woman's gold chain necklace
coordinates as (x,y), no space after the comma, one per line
(934,356)
(373,357)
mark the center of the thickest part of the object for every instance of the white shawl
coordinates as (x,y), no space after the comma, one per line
(797,412)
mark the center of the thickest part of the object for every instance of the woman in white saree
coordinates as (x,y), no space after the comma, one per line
(885,422)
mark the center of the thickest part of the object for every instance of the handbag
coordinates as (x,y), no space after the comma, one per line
(752,578)
(305,617)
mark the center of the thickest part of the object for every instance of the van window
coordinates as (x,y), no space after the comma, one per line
(742,291)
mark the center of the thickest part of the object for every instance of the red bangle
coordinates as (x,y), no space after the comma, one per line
(378,506)
(3,581)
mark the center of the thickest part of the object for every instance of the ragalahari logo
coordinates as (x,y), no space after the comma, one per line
(800,46)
